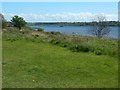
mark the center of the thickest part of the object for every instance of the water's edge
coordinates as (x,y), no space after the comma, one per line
(77,30)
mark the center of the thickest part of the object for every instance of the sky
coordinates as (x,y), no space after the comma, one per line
(60,11)
(60,0)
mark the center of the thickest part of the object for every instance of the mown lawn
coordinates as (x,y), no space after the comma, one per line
(40,64)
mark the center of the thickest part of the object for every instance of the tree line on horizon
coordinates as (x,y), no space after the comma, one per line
(108,23)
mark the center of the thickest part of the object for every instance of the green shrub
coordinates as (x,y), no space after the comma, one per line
(79,48)
(35,36)
(98,52)
(55,33)
(40,29)
(64,45)
(55,41)
(115,53)
(11,39)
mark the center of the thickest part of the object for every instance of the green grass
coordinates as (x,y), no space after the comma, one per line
(33,59)
(38,64)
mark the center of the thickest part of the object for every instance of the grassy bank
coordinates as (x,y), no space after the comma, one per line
(39,59)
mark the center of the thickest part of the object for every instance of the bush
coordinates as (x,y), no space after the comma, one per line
(55,42)
(55,33)
(11,39)
(79,48)
(64,45)
(40,29)
(98,52)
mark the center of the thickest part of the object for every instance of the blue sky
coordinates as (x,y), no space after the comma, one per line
(59,11)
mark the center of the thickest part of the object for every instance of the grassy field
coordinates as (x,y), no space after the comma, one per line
(35,63)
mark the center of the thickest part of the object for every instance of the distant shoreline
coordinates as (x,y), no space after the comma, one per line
(109,23)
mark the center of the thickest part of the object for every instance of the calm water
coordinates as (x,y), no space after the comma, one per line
(78,30)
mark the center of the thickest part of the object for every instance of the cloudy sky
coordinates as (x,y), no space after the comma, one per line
(60,11)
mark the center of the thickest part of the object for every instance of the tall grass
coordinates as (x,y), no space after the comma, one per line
(103,46)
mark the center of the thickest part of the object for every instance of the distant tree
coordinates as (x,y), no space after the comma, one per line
(3,22)
(100,27)
(18,22)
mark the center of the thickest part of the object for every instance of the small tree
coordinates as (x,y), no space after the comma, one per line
(100,27)
(18,22)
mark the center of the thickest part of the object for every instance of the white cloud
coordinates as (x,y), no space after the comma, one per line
(61,17)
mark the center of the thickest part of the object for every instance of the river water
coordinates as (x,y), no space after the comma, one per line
(77,30)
